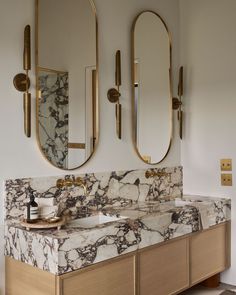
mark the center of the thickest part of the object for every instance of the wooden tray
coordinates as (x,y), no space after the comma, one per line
(43,224)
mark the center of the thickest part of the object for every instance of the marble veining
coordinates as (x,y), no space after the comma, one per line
(148,223)
(54,116)
(103,189)
(151,206)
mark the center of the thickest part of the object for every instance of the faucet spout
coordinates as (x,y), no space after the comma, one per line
(72,182)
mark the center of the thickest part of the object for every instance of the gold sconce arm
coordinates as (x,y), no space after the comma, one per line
(71,182)
(113,94)
(118,69)
(22,82)
(27,49)
(150,173)
(177,102)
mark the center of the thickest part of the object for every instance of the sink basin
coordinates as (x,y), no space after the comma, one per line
(92,221)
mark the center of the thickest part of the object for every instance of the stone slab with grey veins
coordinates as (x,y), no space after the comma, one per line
(154,207)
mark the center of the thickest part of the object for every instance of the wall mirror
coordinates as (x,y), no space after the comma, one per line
(67,81)
(151,84)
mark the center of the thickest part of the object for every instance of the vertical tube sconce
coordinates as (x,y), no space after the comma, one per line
(113,94)
(180,94)
(22,82)
(177,102)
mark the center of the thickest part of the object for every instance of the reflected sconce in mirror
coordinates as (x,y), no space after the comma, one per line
(177,102)
(22,82)
(113,94)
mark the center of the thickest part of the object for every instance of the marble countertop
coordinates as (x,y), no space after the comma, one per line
(147,223)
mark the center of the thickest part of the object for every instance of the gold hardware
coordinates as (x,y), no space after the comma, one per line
(177,102)
(68,182)
(113,95)
(94,95)
(147,159)
(27,114)
(22,82)
(226,180)
(72,145)
(27,49)
(150,173)
(180,85)
(71,182)
(60,183)
(226,164)
(118,120)
(118,69)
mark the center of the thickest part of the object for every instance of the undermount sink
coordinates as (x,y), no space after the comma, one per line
(92,221)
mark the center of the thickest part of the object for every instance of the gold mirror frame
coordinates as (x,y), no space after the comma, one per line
(95,113)
(134,111)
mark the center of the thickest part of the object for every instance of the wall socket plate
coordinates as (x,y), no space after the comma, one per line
(226,180)
(226,164)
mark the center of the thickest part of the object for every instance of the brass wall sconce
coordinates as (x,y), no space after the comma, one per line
(71,182)
(113,94)
(177,102)
(22,82)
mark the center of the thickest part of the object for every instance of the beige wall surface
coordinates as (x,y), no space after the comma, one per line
(20,156)
(208,53)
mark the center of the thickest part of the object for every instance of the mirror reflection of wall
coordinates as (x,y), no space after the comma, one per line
(67,81)
(152,97)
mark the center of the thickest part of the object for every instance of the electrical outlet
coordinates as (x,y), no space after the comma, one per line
(226,180)
(226,164)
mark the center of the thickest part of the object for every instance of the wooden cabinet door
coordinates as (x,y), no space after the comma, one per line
(115,278)
(208,253)
(164,270)
(23,279)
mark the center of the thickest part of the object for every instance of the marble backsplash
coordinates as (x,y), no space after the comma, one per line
(103,189)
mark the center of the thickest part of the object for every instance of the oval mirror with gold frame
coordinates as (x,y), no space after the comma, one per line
(151,87)
(66,81)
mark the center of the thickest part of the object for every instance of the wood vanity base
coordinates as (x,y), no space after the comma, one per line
(166,268)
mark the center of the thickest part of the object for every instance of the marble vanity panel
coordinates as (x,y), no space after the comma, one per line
(212,210)
(174,223)
(97,245)
(80,248)
(103,189)
(148,223)
(32,248)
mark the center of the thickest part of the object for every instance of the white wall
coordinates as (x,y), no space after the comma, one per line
(20,156)
(208,42)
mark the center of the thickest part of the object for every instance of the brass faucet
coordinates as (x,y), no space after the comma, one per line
(72,182)
(150,173)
